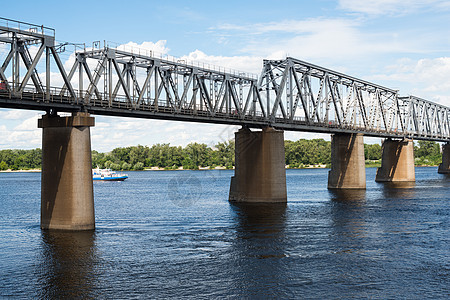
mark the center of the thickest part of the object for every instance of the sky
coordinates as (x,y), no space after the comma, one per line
(401,44)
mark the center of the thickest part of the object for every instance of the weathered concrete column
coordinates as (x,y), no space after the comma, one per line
(348,169)
(67,198)
(444,167)
(397,161)
(260,174)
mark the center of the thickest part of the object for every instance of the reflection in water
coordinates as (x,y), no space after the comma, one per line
(354,246)
(398,190)
(356,196)
(260,220)
(259,245)
(67,264)
(348,215)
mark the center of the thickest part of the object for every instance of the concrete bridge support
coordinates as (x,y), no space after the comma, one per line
(444,167)
(348,169)
(260,174)
(67,198)
(397,161)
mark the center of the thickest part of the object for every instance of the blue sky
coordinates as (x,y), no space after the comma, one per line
(400,44)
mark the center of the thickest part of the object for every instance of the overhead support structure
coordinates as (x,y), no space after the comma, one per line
(397,161)
(140,81)
(298,92)
(21,64)
(348,170)
(290,94)
(260,174)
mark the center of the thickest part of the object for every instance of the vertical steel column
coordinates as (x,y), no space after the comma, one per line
(80,79)
(47,73)
(16,66)
(155,101)
(110,90)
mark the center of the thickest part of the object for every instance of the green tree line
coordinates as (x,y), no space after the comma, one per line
(297,154)
(192,156)
(20,159)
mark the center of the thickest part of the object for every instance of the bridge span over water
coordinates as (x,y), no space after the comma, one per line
(289,94)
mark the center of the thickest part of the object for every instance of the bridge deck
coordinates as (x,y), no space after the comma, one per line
(37,101)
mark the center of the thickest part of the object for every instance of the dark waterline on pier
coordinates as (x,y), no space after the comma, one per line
(174,234)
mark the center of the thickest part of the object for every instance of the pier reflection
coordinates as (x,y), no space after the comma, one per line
(348,214)
(355,196)
(259,244)
(398,190)
(67,265)
(261,221)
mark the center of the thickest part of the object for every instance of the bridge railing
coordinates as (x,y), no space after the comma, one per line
(27,27)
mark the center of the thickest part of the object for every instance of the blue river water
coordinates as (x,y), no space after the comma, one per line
(173,234)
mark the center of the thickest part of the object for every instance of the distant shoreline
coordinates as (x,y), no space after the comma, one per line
(21,171)
(201,169)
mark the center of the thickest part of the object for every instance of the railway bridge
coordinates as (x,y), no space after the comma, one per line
(289,94)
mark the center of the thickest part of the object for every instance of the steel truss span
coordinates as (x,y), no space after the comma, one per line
(289,94)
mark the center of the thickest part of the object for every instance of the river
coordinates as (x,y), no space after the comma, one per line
(173,234)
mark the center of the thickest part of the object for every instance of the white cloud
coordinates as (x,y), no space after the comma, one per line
(146,48)
(250,64)
(25,139)
(15,114)
(29,124)
(26,135)
(322,39)
(293,26)
(398,7)
(429,78)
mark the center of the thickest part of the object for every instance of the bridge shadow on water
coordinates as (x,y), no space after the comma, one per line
(67,265)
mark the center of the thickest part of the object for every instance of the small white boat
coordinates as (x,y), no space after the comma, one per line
(108,175)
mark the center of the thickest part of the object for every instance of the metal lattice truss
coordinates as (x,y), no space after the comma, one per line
(424,118)
(300,91)
(140,82)
(290,94)
(19,61)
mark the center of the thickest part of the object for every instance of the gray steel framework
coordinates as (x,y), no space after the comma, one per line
(290,94)
(302,91)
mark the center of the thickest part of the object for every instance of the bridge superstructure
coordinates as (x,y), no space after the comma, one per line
(290,94)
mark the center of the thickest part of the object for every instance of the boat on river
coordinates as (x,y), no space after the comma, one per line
(108,175)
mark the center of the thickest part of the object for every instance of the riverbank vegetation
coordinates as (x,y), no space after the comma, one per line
(298,154)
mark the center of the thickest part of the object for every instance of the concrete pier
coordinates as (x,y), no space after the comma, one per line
(67,198)
(397,161)
(348,169)
(444,167)
(260,174)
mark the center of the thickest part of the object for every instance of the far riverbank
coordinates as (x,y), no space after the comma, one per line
(368,165)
